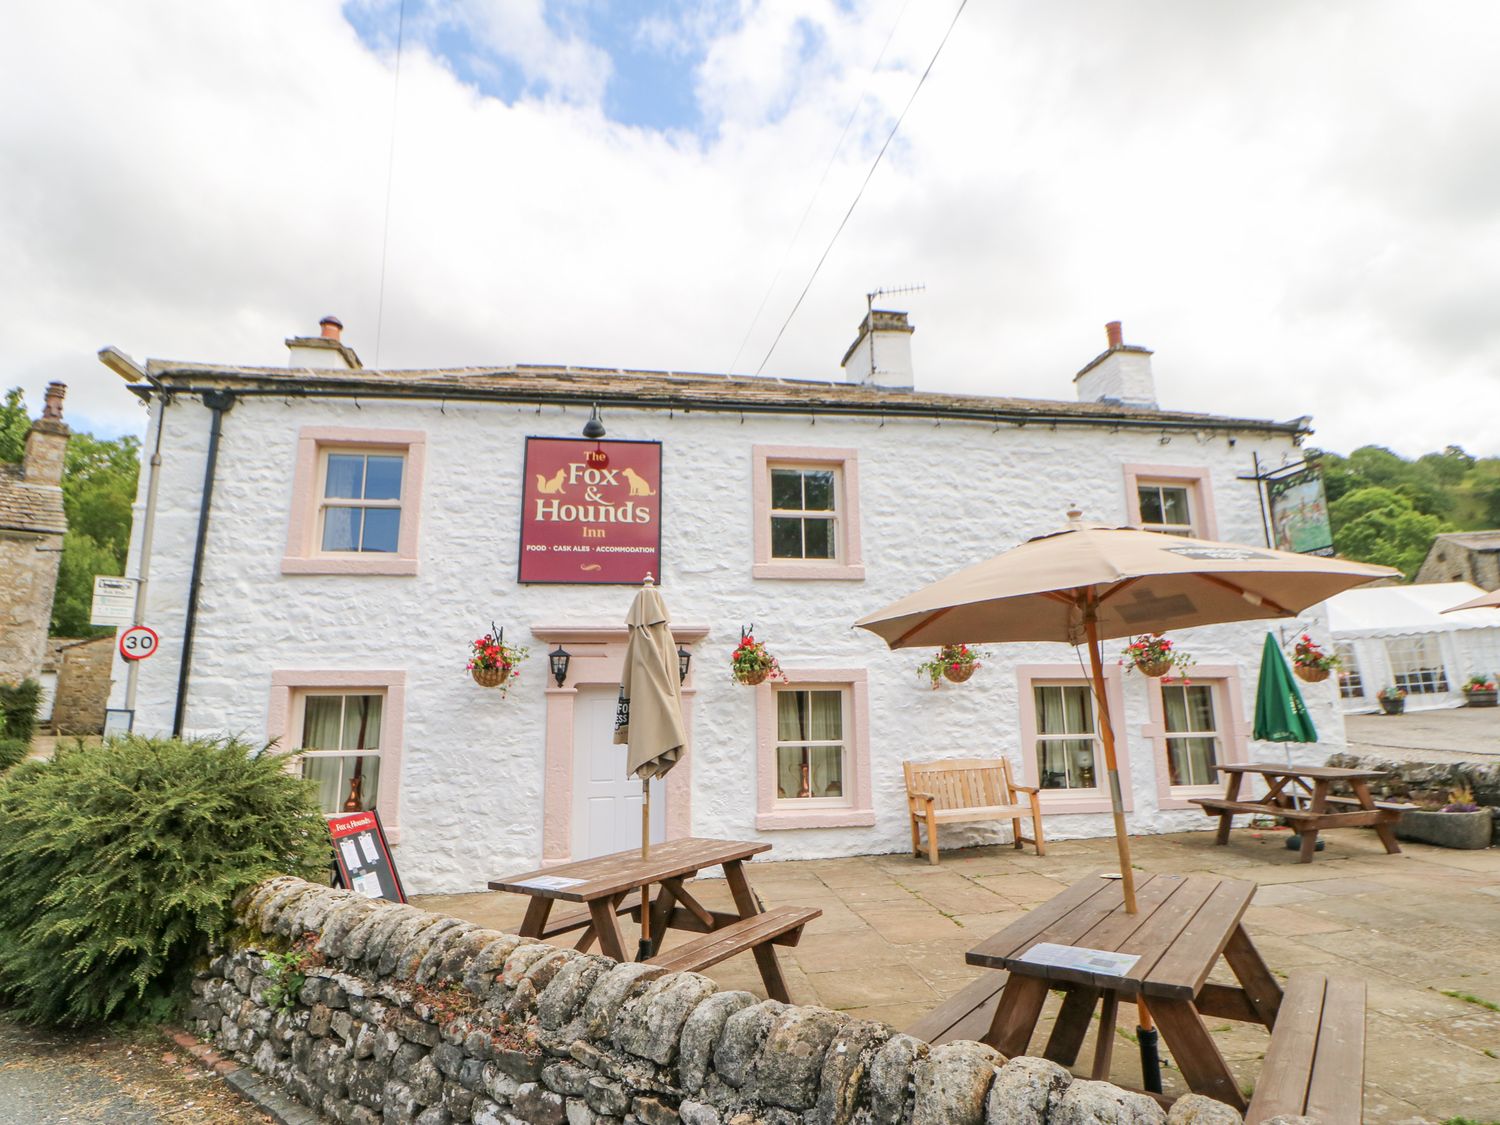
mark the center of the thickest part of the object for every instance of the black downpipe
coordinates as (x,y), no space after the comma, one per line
(219,402)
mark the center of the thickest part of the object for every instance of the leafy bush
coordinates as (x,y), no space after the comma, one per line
(12,750)
(120,863)
(19,704)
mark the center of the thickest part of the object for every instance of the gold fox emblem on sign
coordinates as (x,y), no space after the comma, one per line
(550,487)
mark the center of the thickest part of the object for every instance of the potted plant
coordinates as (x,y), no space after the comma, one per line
(1480,692)
(1392,699)
(1154,655)
(493,663)
(1310,662)
(1461,823)
(954,662)
(751,663)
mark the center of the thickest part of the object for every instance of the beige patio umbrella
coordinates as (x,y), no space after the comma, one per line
(1484,601)
(649,719)
(1091,582)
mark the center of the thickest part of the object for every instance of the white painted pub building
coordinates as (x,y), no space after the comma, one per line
(322,542)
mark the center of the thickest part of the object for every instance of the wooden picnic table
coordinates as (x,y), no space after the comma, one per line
(1184,925)
(1299,795)
(611,885)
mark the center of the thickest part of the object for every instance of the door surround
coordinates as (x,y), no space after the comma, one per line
(598,657)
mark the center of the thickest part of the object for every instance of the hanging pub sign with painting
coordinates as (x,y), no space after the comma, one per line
(591,511)
(1299,513)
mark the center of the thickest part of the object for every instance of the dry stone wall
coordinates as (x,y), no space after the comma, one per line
(372,1012)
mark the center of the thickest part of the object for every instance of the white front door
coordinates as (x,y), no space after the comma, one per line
(606,803)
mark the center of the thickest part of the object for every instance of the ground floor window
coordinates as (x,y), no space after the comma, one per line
(340,748)
(1066,743)
(1192,723)
(1351,683)
(810,747)
(1417,665)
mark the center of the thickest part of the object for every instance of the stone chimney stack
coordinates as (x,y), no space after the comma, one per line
(1121,374)
(47,441)
(881,353)
(326,350)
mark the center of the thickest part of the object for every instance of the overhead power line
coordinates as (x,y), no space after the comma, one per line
(817,190)
(864,184)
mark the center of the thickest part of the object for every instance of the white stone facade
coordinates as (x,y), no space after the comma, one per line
(471,792)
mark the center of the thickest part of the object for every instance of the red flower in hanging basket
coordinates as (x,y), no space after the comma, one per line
(494,663)
(751,663)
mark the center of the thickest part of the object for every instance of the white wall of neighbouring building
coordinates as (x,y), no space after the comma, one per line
(473,777)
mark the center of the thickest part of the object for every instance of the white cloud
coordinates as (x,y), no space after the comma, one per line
(1289,202)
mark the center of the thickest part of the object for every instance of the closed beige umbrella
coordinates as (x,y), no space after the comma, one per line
(649,721)
(1090,582)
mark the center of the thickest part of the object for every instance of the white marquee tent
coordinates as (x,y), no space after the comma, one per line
(1400,635)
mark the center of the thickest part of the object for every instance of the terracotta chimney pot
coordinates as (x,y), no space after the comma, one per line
(53,405)
(1113,332)
(332,326)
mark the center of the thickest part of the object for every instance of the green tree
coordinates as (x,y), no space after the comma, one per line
(99,480)
(1381,525)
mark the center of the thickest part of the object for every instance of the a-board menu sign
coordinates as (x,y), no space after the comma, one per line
(590,511)
(1299,513)
(362,858)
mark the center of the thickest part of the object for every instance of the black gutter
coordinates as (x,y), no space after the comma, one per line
(219,401)
(1018,418)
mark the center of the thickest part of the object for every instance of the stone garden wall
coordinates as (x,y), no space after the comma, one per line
(374,1012)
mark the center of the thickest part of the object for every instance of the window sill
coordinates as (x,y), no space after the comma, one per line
(814,818)
(1181,796)
(386,564)
(1089,802)
(809,570)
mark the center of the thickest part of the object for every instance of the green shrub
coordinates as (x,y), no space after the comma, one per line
(12,750)
(120,862)
(18,707)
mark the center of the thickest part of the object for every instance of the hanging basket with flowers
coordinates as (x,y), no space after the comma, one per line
(751,663)
(952,662)
(1154,655)
(493,663)
(1310,662)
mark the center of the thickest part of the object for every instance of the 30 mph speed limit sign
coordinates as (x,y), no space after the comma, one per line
(138,642)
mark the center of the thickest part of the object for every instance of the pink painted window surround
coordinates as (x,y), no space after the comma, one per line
(856,808)
(1096,799)
(848,561)
(1229,714)
(284,719)
(303,555)
(1196,480)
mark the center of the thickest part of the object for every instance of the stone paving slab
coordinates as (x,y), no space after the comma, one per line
(1416,926)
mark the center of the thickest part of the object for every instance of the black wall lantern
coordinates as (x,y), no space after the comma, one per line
(559,658)
(684,658)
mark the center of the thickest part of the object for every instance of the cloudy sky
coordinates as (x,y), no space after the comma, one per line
(1292,201)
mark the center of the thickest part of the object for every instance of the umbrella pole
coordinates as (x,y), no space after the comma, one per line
(646,948)
(1107,736)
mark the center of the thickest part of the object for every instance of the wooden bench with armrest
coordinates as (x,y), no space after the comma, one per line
(962,790)
(1315,1064)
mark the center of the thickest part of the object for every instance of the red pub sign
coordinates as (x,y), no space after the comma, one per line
(591,511)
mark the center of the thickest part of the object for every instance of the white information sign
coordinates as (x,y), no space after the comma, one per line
(114,601)
(550,883)
(1078,957)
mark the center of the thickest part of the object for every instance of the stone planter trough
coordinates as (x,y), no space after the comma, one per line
(1480,698)
(1447,829)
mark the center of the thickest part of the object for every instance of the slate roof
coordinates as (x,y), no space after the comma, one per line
(686,391)
(29,507)
(1473,540)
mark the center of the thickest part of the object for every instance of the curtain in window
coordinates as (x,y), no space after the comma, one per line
(809,716)
(1190,761)
(321,718)
(1064,763)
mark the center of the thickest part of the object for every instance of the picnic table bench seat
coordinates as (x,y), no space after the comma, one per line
(963,790)
(1216,805)
(779,926)
(1315,1065)
(965,1015)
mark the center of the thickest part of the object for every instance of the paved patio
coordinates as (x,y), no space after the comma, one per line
(1417,926)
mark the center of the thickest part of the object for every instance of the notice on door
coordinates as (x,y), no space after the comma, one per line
(591,511)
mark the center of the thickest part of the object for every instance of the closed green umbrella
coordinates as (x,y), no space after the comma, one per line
(1280,714)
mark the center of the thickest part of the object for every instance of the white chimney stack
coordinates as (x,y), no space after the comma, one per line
(323,351)
(1121,374)
(881,353)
